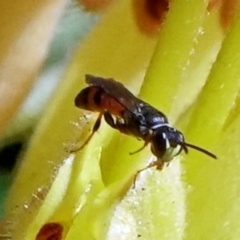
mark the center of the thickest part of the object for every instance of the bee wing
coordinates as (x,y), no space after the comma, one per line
(116,90)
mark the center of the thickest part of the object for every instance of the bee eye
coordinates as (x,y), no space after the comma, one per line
(165,143)
(172,151)
(173,144)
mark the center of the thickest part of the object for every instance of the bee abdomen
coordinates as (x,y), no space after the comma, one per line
(89,98)
(95,99)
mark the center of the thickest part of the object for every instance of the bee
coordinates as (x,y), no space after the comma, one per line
(132,116)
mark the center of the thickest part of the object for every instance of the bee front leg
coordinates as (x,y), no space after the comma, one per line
(159,164)
(147,140)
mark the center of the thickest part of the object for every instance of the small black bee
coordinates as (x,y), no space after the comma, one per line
(132,116)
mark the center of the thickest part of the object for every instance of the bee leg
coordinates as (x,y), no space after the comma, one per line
(94,129)
(147,140)
(140,149)
(159,164)
(121,127)
(109,119)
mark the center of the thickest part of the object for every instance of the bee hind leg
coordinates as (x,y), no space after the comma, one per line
(94,130)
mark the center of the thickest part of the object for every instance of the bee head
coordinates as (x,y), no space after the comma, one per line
(167,142)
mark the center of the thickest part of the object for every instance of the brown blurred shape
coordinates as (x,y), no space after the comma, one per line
(150,14)
(50,231)
(227,10)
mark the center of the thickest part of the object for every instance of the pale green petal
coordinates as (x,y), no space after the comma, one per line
(214,199)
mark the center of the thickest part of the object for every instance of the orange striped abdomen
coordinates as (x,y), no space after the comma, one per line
(97,100)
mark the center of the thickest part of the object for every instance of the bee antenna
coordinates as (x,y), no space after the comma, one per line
(185,145)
